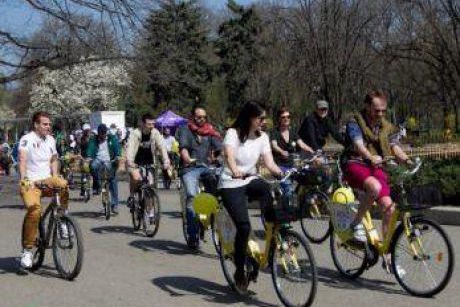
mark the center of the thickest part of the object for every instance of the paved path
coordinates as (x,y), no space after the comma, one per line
(123,268)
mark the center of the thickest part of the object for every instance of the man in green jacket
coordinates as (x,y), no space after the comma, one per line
(104,148)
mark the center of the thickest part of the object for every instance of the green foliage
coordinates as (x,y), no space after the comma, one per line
(174,45)
(238,48)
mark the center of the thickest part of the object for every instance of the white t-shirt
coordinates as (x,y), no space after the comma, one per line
(246,156)
(103,153)
(169,142)
(39,153)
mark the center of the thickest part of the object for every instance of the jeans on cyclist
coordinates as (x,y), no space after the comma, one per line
(191,182)
(236,202)
(113,182)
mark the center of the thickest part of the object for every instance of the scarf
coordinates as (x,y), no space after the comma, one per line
(206,130)
(377,144)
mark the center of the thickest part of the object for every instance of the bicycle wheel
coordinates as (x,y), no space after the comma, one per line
(316,226)
(294,272)
(228,266)
(152,213)
(423,262)
(349,260)
(184,217)
(67,247)
(214,235)
(137,213)
(106,202)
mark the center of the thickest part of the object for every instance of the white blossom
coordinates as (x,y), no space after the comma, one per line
(81,88)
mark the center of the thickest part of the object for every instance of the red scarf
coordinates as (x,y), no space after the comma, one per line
(206,130)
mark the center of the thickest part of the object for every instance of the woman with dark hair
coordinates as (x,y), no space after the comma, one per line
(244,145)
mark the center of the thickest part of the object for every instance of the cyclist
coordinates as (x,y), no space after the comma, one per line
(244,145)
(38,161)
(199,142)
(370,137)
(285,142)
(142,145)
(104,148)
(82,148)
(316,127)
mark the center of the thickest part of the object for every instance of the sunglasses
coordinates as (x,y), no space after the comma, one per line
(285,117)
(384,111)
(323,109)
(200,117)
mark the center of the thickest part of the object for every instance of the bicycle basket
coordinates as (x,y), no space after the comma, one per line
(227,230)
(314,176)
(283,210)
(342,215)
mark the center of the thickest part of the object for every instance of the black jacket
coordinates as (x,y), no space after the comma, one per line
(314,131)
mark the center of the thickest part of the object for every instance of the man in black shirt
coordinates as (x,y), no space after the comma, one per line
(318,126)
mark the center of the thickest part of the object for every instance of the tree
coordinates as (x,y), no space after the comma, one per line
(173,50)
(78,89)
(118,17)
(239,50)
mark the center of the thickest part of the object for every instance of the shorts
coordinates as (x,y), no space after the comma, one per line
(357,173)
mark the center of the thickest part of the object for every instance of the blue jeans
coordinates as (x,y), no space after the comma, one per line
(191,182)
(287,187)
(113,182)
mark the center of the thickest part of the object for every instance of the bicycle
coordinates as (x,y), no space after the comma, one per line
(311,191)
(405,242)
(147,202)
(61,232)
(203,202)
(85,181)
(286,252)
(105,173)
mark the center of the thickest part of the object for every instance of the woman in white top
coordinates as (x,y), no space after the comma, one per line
(244,144)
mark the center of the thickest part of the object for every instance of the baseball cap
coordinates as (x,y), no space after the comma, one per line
(86,127)
(102,129)
(321,104)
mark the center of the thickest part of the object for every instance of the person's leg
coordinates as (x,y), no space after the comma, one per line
(31,199)
(191,187)
(384,200)
(113,187)
(235,202)
(94,167)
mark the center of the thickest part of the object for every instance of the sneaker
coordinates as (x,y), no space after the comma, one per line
(241,282)
(359,234)
(115,210)
(151,216)
(27,258)
(64,231)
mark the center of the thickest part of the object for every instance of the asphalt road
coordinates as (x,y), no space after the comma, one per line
(124,268)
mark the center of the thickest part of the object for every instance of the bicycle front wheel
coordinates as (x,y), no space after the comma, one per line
(67,247)
(228,266)
(349,260)
(294,270)
(106,203)
(137,213)
(422,258)
(151,220)
(214,235)
(316,226)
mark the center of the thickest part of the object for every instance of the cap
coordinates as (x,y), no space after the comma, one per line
(86,127)
(113,126)
(102,129)
(320,104)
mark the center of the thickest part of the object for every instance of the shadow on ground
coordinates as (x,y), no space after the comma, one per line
(178,286)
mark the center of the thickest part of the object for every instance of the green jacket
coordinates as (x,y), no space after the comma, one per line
(93,147)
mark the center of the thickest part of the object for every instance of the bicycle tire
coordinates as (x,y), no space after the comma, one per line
(137,212)
(313,222)
(106,202)
(183,201)
(358,269)
(308,274)
(214,234)
(151,194)
(402,278)
(74,239)
(228,266)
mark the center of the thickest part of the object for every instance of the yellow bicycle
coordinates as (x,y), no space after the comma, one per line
(422,257)
(287,253)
